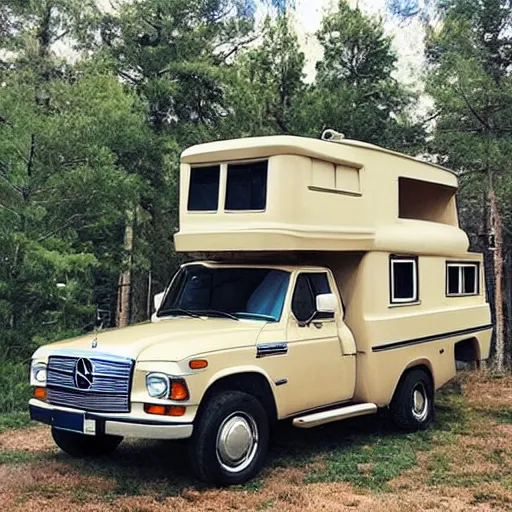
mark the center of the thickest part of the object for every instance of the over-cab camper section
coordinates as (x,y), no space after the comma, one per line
(298,194)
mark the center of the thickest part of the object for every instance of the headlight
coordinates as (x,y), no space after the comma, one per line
(39,373)
(158,385)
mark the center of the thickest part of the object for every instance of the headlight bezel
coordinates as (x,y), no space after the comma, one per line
(164,379)
(36,369)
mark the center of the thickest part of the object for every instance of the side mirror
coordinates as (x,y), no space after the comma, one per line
(157,300)
(326,303)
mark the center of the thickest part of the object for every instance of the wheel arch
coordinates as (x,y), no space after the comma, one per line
(418,364)
(250,380)
(468,350)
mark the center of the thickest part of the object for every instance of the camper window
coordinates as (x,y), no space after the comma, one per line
(203,195)
(462,279)
(247,187)
(404,280)
(421,200)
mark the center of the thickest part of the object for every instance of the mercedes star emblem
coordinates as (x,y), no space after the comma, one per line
(83,374)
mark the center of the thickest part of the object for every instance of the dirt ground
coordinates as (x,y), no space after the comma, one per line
(464,463)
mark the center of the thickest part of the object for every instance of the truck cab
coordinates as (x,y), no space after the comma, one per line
(328,280)
(290,311)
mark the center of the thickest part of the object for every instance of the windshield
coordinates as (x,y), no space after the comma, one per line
(236,293)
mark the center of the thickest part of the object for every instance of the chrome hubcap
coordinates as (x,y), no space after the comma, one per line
(420,402)
(237,442)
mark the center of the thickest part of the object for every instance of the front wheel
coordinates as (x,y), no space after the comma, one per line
(412,407)
(80,445)
(230,439)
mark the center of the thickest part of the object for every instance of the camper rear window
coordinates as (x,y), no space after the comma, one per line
(203,195)
(247,187)
(462,279)
(404,280)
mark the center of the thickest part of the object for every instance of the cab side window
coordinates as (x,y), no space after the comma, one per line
(307,287)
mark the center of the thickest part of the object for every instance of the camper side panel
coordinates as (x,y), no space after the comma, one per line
(398,326)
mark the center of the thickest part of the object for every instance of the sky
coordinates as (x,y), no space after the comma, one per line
(308,15)
(408,36)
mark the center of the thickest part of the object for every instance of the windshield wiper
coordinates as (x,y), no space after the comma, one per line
(257,315)
(180,311)
(220,313)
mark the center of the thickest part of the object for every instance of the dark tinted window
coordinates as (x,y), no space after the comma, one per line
(247,186)
(453,280)
(252,293)
(469,282)
(307,288)
(319,283)
(204,189)
(303,303)
(404,281)
(462,279)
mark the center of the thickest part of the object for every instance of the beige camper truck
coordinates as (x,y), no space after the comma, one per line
(331,279)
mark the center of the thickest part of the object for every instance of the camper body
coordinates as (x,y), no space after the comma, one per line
(330,280)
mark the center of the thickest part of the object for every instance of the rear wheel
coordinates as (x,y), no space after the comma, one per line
(80,445)
(412,407)
(230,439)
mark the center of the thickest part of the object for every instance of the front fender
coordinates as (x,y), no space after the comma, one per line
(239,370)
(244,380)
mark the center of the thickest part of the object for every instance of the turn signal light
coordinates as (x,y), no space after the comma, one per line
(198,364)
(40,393)
(165,410)
(155,409)
(179,391)
(176,410)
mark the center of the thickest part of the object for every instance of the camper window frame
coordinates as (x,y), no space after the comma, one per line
(461,265)
(416,295)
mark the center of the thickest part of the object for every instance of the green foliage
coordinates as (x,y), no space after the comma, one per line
(469,80)
(355,91)
(267,84)
(14,420)
(15,393)
(62,185)
(90,147)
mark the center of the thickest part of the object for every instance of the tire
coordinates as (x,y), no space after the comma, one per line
(81,446)
(412,407)
(230,440)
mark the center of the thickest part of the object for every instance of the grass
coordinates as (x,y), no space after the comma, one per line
(18,457)
(374,453)
(469,448)
(14,421)
(15,389)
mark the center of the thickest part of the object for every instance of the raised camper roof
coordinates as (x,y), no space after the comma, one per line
(287,193)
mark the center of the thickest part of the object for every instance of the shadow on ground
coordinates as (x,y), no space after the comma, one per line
(339,450)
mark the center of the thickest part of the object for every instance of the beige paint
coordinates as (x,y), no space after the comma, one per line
(335,208)
(322,196)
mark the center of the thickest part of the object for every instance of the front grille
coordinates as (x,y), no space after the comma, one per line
(109,390)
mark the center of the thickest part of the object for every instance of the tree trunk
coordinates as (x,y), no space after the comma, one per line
(498,281)
(124,287)
(508,305)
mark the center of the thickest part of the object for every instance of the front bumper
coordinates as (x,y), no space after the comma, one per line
(96,424)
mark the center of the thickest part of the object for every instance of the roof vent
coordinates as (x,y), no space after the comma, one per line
(332,136)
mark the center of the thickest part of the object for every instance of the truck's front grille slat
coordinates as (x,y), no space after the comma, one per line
(93,402)
(109,389)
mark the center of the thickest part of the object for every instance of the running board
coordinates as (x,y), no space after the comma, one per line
(341,413)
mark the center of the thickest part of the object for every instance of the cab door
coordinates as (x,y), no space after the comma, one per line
(319,372)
